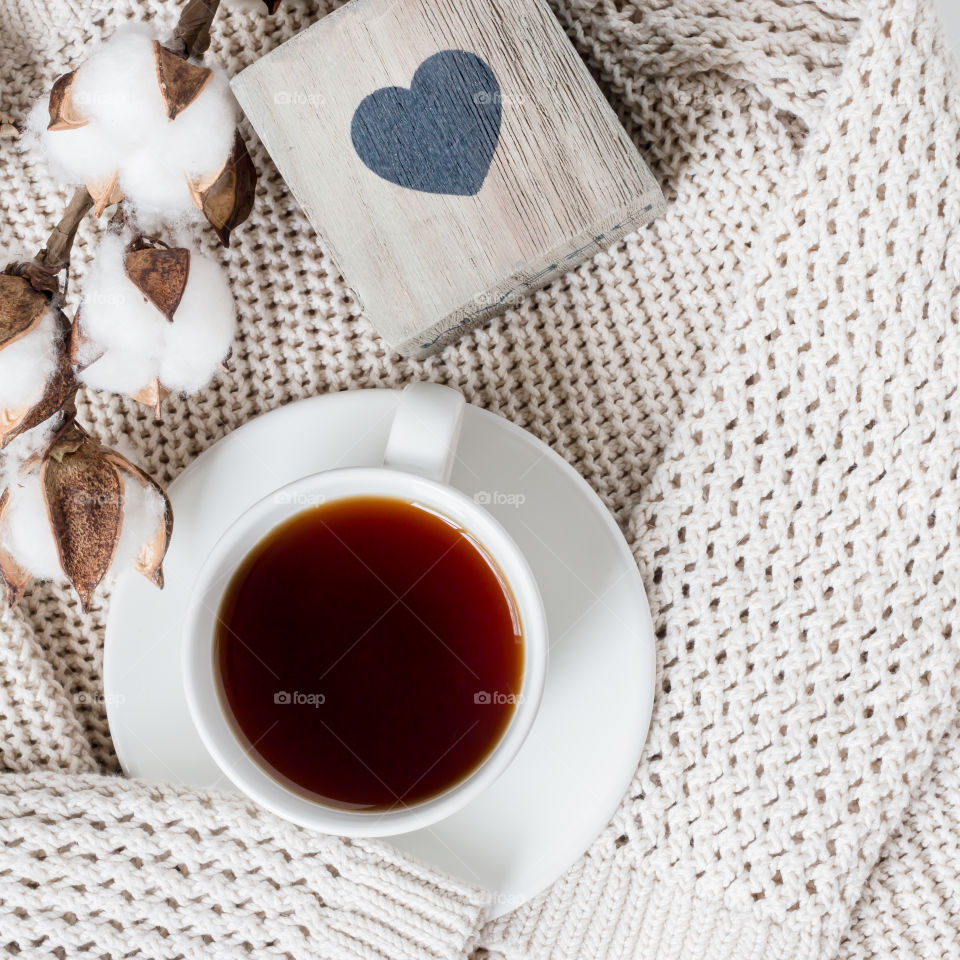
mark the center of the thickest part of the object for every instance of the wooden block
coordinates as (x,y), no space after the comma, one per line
(453,155)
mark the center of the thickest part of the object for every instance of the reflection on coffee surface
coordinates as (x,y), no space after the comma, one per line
(370,653)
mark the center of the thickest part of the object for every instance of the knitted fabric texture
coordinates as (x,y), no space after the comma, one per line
(761,385)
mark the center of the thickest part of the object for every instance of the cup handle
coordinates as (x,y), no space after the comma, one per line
(425,431)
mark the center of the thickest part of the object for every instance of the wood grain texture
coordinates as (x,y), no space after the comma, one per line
(565,180)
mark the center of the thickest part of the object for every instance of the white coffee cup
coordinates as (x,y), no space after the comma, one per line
(417,463)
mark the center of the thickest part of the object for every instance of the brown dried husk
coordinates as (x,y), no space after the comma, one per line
(60,391)
(181,82)
(80,357)
(151,555)
(160,274)
(21,310)
(226,197)
(152,395)
(83,494)
(83,487)
(63,112)
(104,193)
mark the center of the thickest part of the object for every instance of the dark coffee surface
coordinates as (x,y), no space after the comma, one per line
(370,652)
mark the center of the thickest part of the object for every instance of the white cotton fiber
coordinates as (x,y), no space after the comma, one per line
(25,531)
(118,322)
(117,87)
(117,90)
(24,447)
(143,510)
(200,139)
(118,372)
(27,364)
(79,155)
(155,187)
(136,344)
(203,328)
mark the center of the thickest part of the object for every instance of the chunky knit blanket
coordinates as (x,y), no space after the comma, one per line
(762,385)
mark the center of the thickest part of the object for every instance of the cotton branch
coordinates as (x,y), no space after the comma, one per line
(56,254)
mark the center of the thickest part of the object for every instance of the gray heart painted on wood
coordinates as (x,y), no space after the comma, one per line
(439,136)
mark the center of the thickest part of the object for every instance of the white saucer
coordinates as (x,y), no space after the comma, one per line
(567,780)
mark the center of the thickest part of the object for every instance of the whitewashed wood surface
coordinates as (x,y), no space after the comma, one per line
(565,180)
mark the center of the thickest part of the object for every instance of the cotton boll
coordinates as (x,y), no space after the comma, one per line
(128,132)
(202,330)
(35,376)
(114,314)
(192,146)
(27,364)
(123,334)
(127,344)
(80,516)
(25,531)
(143,514)
(117,92)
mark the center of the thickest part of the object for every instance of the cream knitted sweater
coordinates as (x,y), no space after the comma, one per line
(762,386)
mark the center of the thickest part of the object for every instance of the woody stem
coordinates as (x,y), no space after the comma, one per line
(56,254)
(193,30)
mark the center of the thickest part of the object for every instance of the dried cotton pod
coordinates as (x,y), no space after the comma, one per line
(181,82)
(153,320)
(140,122)
(227,199)
(81,513)
(63,113)
(36,378)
